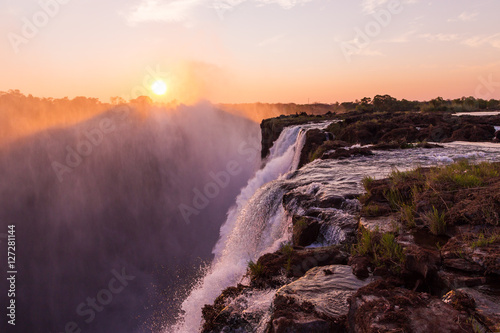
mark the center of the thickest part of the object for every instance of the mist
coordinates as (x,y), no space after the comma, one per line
(117,211)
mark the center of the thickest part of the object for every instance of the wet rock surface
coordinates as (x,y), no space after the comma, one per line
(383,306)
(481,304)
(392,262)
(294,263)
(271,128)
(321,295)
(369,128)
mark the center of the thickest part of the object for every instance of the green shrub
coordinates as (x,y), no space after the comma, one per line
(287,250)
(437,222)
(395,198)
(466,181)
(367,180)
(364,245)
(370,210)
(335,128)
(300,222)
(390,249)
(483,241)
(408,215)
(463,174)
(255,270)
(383,249)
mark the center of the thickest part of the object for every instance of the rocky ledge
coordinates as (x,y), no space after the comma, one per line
(384,130)
(418,252)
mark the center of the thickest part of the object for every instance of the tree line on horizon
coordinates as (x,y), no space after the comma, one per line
(379,103)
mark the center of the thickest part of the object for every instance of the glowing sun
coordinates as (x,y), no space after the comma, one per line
(159,87)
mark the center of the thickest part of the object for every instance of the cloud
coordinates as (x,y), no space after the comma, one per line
(183,10)
(399,39)
(465,17)
(156,11)
(369,6)
(440,37)
(286,4)
(271,40)
(474,41)
(478,41)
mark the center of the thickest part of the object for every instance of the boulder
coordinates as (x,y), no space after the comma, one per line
(360,266)
(379,223)
(408,134)
(460,254)
(472,132)
(305,230)
(294,264)
(318,298)
(482,303)
(497,136)
(314,139)
(295,317)
(382,306)
(346,153)
(422,261)
(453,280)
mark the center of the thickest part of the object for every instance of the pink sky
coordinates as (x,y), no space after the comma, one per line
(251,50)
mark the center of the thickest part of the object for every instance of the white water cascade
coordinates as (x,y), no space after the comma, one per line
(254,226)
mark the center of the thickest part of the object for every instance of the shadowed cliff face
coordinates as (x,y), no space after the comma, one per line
(114,215)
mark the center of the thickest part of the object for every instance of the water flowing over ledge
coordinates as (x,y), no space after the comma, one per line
(254,226)
(259,223)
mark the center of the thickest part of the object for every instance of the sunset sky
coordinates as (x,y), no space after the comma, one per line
(251,50)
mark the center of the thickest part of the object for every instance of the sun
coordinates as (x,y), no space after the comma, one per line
(159,87)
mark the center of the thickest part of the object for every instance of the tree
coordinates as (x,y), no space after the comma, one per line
(383,103)
(493,104)
(365,105)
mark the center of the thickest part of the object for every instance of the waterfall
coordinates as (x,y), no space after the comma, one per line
(254,226)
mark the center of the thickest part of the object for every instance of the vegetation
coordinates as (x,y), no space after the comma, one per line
(370,210)
(381,248)
(300,222)
(255,270)
(287,250)
(326,146)
(367,181)
(429,196)
(483,241)
(437,223)
(464,104)
(387,103)
(407,215)
(463,174)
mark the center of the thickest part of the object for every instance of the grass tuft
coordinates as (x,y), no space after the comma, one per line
(408,215)
(255,270)
(483,241)
(436,220)
(287,250)
(382,249)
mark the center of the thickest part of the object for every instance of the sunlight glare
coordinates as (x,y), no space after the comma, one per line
(159,87)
